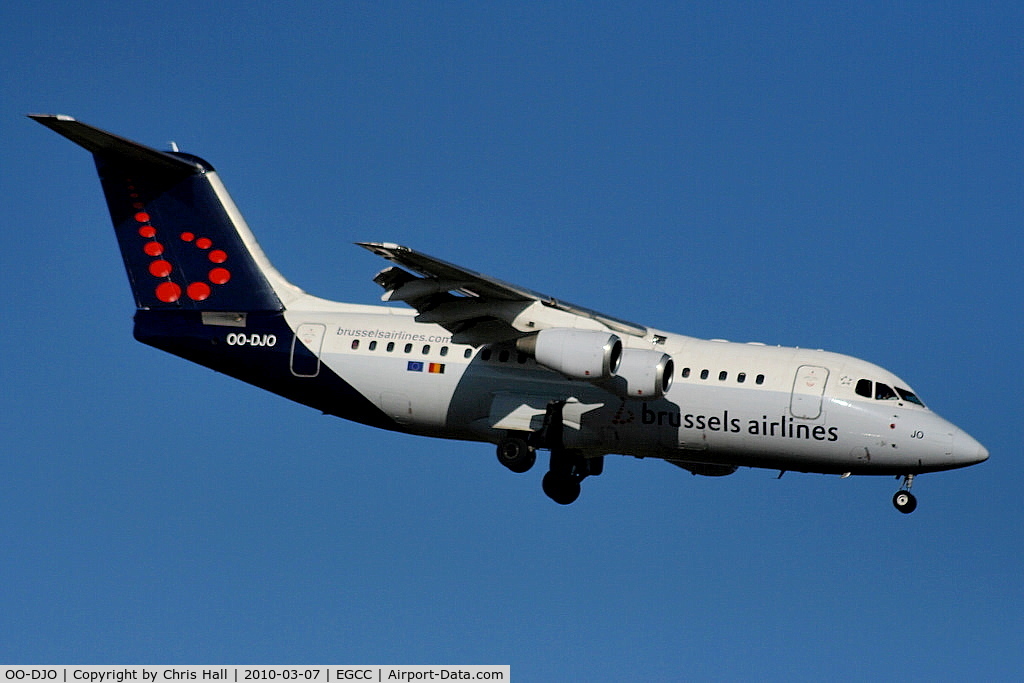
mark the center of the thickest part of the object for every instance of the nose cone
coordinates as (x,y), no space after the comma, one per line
(966,450)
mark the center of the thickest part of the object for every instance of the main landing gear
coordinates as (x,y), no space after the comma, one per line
(904,500)
(568,468)
(516,453)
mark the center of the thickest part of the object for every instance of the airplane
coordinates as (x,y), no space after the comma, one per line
(478,359)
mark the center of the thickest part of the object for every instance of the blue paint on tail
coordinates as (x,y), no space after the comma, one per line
(178,240)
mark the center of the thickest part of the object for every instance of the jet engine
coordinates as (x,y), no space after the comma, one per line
(579,354)
(644,374)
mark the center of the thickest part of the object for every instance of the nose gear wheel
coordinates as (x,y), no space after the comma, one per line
(904,500)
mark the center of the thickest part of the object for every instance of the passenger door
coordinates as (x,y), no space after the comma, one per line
(808,390)
(305,356)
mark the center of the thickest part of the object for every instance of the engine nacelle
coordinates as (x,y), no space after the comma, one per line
(643,373)
(580,354)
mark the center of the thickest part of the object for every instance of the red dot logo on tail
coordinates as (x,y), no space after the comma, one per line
(168,291)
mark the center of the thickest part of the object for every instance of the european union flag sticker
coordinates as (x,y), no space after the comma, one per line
(415,366)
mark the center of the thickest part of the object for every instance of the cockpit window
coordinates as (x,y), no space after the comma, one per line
(883,392)
(864,388)
(909,396)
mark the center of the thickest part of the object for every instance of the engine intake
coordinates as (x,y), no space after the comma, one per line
(643,373)
(580,354)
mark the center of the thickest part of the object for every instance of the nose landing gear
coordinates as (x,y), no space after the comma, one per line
(904,500)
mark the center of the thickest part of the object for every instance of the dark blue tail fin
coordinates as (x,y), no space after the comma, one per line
(183,242)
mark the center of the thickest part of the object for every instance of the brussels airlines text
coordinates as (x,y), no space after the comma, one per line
(785,427)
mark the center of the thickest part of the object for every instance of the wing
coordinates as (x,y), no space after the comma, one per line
(477,308)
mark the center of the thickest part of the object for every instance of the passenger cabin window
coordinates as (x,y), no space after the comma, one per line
(390,347)
(741,378)
(355,344)
(467,353)
(408,348)
(686,373)
(760,379)
(704,374)
(722,376)
(373,345)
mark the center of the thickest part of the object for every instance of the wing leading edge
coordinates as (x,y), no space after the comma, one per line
(472,305)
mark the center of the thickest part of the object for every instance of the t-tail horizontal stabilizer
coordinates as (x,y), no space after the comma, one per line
(184,244)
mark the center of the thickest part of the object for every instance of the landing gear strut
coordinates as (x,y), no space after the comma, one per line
(568,466)
(904,500)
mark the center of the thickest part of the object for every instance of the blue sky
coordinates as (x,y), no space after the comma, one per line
(840,177)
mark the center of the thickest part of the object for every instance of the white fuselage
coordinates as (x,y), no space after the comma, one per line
(730,404)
